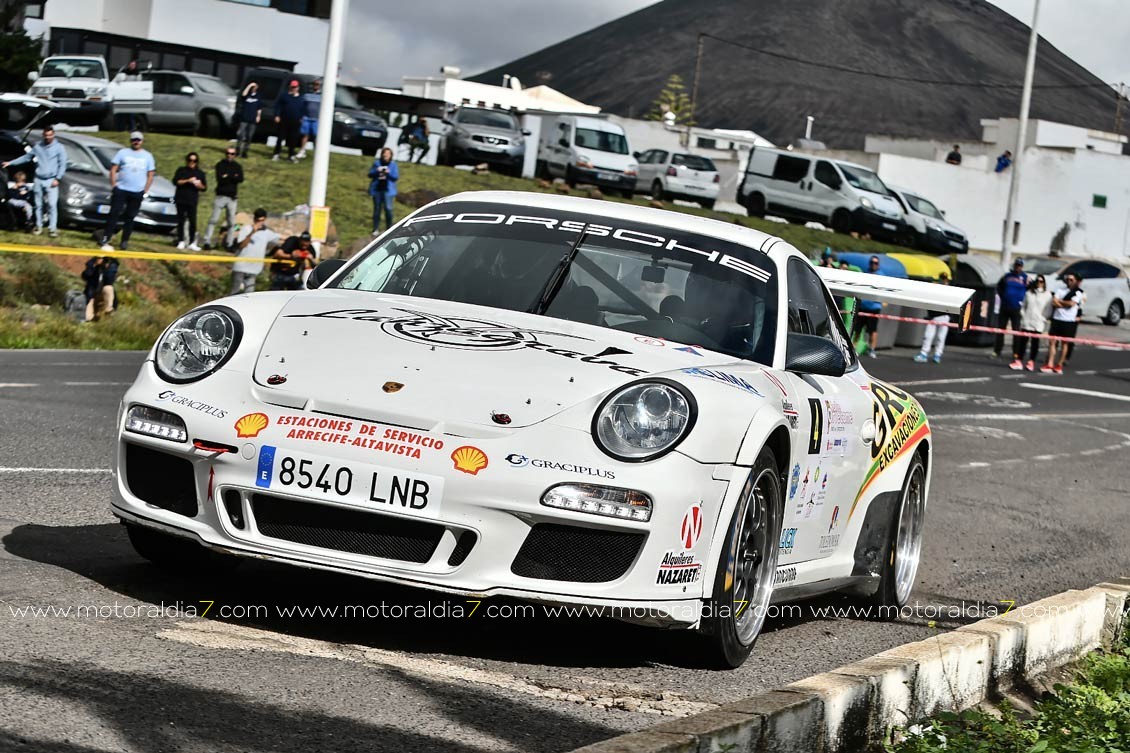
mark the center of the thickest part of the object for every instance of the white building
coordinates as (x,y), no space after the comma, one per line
(218,37)
(1074,186)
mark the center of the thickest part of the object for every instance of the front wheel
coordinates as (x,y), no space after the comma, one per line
(841,221)
(707,203)
(1114,314)
(657,191)
(747,565)
(904,542)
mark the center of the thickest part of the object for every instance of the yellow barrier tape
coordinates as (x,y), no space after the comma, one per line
(151,256)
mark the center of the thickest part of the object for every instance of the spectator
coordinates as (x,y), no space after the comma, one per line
(1003,161)
(954,157)
(828,259)
(131,175)
(1011,288)
(255,243)
(229,174)
(310,116)
(290,108)
(189,181)
(249,113)
(1033,319)
(936,331)
(418,134)
(20,197)
(1067,303)
(295,256)
(384,174)
(129,72)
(870,324)
(50,166)
(99,276)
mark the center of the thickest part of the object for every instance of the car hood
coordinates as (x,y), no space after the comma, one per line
(438,365)
(885,204)
(77,81)
(362,116)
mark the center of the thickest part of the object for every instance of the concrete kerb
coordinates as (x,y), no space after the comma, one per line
(856,705)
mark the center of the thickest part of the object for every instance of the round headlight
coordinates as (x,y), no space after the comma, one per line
(644,420)
(198,343)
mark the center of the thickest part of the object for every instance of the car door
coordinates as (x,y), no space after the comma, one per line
(182,99)
(643,171)
(785,192)
(829,455)
(560,147)
(824,189)
(162,115)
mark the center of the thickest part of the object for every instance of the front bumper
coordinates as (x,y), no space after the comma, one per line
(489,534)
(878,225)
(606,178)
(938,240)
(692,189)
(465,150)
(155,215)
(359,136)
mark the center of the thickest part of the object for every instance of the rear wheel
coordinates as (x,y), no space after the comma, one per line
(841,221)
(904,542)
(707,203)
(1114,313)
(746,567)
(177,554)
(209,125)
(657,191)
(570,177)
(755,205)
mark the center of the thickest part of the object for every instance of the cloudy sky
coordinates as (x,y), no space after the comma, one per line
(387,40)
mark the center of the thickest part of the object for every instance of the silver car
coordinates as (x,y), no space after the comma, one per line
(477,135)
(193,102)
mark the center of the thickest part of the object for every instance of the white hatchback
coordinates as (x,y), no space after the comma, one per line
(675,175)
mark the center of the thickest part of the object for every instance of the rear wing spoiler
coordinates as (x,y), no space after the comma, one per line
(914,293)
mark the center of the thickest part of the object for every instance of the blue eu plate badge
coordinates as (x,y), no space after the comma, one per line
(266,466)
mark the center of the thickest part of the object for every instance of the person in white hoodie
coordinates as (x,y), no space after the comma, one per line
(1034,319)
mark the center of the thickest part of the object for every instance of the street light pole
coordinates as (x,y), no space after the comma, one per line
(320,177)
(1021,140)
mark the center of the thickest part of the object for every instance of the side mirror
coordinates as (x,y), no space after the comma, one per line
(563,142)
(446,121)
(809,354)
(187,90)
(324,271)
(527,133)
(636,155)
(32,75)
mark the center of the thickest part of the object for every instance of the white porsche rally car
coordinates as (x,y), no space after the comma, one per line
(557,399)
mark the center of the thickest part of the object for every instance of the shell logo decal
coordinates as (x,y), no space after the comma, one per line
(469,459)
(251,424)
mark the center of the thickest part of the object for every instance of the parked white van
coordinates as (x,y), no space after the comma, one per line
(587,150)
(929,229)
(804,187)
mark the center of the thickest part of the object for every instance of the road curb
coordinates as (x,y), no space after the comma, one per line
(853,706)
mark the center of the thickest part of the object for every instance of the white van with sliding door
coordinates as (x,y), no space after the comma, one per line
(587,150)
(805,187)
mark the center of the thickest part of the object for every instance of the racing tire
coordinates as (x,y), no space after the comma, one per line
(755,205)
(177,554)
(841,221)
(657,191)
(903,549)
(747,565)
(707,203)
(1114,314)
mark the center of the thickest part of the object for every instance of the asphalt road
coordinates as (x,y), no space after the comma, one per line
(1028,500)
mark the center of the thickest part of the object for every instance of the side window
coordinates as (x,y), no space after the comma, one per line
(176,83)
(812,311)
(790,169)
(159,82)
(660,157)
(648,157)
(1105,271)
(827,174)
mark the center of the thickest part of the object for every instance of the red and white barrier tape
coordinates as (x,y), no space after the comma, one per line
(998,330)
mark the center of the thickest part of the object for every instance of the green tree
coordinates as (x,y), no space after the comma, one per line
(672,99)
(19,53)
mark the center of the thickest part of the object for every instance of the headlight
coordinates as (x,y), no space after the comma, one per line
(644,420)
(341,117)
(96,91)
(867,202)
(198,343)
(77,195)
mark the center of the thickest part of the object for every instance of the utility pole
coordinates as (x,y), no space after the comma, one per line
(1021,140)
(1119,98)
(319,213)
(694,84)
(808,127)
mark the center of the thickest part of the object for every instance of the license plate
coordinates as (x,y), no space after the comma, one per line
(371,486)
(103,209)
(168,209)
(68,104)
(955,244)
(607,176)
(371,134)
(889,226)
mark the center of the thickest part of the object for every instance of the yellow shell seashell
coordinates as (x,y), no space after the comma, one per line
(251,424)
(469,459)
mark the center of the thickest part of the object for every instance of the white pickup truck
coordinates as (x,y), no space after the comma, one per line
(82,83)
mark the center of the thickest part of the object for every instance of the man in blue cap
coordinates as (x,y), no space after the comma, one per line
(1011,289)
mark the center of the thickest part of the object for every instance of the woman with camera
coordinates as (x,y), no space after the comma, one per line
(384,174)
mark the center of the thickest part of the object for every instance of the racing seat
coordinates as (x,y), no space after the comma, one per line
(577,303)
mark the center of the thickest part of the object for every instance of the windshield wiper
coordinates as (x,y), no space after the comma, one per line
(557,279)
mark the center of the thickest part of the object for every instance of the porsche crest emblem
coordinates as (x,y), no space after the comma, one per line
(391,387)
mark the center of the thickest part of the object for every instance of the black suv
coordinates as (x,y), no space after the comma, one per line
(353,126)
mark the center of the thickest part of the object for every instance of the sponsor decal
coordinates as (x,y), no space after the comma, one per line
(838,416)
(276,379)
(469,459)
(250,425)
(790,412)
(657,342)
(899,425)
(829,542)
(728,379)
(835,447)
(794,481)
(784,575)
(188,402)
(391,387)
(689,349)
(517,460)
(788,540)
(597,231)
(211,481)
(678,568)
(816,413)
(835,518)
(367,436)
(691,528)
(463,333)
(775,381)
(266,467)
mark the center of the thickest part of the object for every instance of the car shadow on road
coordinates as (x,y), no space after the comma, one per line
(148,711)
(389,616)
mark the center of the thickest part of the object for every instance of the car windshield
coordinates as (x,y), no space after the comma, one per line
(105,154)
(645,279)
(210,85)
(72,68)
(863,179)
(694,162)
(922,206)
(79,160)
(489,118)
(1043,266)
(602,141)
(344,99)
